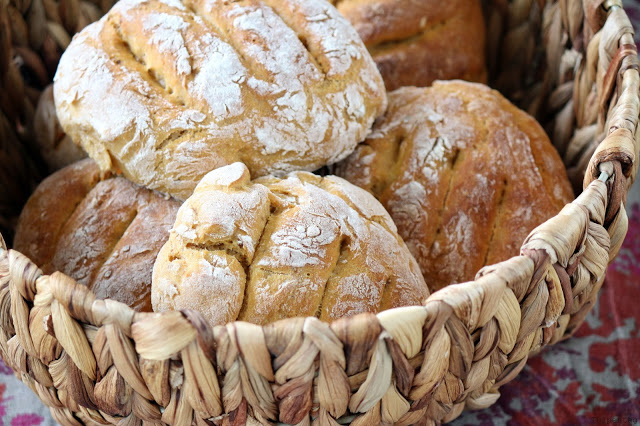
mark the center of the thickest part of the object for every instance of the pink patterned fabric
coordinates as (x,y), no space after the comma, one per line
(593,378)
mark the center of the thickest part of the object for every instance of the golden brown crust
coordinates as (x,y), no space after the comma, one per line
(165,91)
(104,234)
(464,174)
(277,248)
(417,42)
(39,226)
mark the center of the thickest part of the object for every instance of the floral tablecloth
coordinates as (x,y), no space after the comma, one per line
(593,378)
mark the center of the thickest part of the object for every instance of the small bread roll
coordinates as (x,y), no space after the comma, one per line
(273,248)
(464,174)
(105,234)
(56,148)
(416,42)
(165,91)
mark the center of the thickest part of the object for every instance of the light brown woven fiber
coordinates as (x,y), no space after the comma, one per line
(574,65)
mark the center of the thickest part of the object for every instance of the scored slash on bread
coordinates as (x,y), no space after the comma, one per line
(274,248)
(166,91)
(104,233)
(464,174)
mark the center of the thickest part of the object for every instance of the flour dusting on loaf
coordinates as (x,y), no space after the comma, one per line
(464,174)
(165,91)
(165,32)
(273,248)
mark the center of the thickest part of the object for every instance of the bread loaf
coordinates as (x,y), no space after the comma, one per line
(416,42)
(464,174)
(103,233)
(165,91)
(274,248)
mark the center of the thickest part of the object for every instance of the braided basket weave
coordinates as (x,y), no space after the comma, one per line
(571,63)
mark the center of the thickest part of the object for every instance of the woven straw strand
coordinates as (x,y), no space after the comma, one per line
(464,338)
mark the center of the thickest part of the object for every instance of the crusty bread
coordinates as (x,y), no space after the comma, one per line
(165,91)
(103,233)
(56,148)
(416,42)
(273,248)
(464,174)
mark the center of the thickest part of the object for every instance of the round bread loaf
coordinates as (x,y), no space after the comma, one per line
(273,248)
(464,174)
(56,148)
(103,233)
(165,91)
(416,42)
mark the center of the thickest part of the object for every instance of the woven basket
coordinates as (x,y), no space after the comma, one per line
(571,63)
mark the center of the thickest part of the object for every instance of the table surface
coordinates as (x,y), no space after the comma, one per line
(593,378)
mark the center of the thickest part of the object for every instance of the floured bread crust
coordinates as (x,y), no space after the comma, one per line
(165,91)
(274,248)
(417,42)
(464,174)
(105,234)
